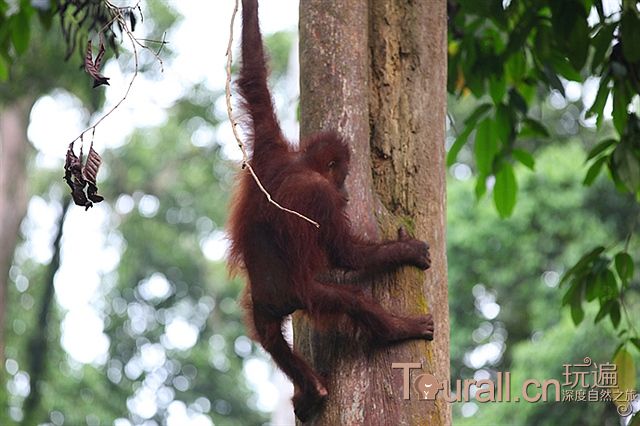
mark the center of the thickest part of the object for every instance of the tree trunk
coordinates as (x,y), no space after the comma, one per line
(38,348)
(14,119)
(376,72)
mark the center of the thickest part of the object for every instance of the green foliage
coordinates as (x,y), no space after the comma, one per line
(517,263)
(42,68)
(507,55)
(602,277)
(73,24)
(20,29)
(15,33)
(505,189)
(624,162)
(506,58)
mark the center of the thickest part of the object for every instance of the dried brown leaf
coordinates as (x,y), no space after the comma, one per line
(91,166)
(101,52)
(90,173)
(92,193)
(92,67)
(79,177)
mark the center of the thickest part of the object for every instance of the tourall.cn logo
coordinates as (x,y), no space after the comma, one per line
(585,381)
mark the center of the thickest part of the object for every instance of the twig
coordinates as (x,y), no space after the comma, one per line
(117,16)
(234,124)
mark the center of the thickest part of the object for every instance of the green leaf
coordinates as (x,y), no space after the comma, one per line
(534,127)
(505,190)
(604,310)
(626,166)
(524,158)
(20,31)
(609,286)
(486,147)
(614,314)
(564,15)
(544,43)
(630,31)
(593,286)
(620,103)
(626,370)
(571,30)
(601,99)
(462,138)
(566,68)
(517,67)
(4,69)
(519,34)
(601,147)
(582,263)
(624,266)
(602,43)
(579,44)
(517,101)
(503,124)
(568,295)
(636,342)
(460,141)
(577,313)
(46,18)
(618,70)
(497,89)
(477,114)
(481,186)
(594,170)
(553,80)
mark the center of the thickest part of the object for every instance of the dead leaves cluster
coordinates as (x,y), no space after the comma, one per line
(81,178)
(98,19)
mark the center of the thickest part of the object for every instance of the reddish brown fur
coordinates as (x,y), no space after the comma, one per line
(283,255)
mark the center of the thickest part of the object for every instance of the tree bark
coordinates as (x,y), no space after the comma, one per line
(376,72)
(14,119)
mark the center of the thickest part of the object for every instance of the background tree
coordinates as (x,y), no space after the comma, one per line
(397,177)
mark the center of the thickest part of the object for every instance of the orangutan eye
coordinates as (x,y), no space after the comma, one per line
(331,164)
